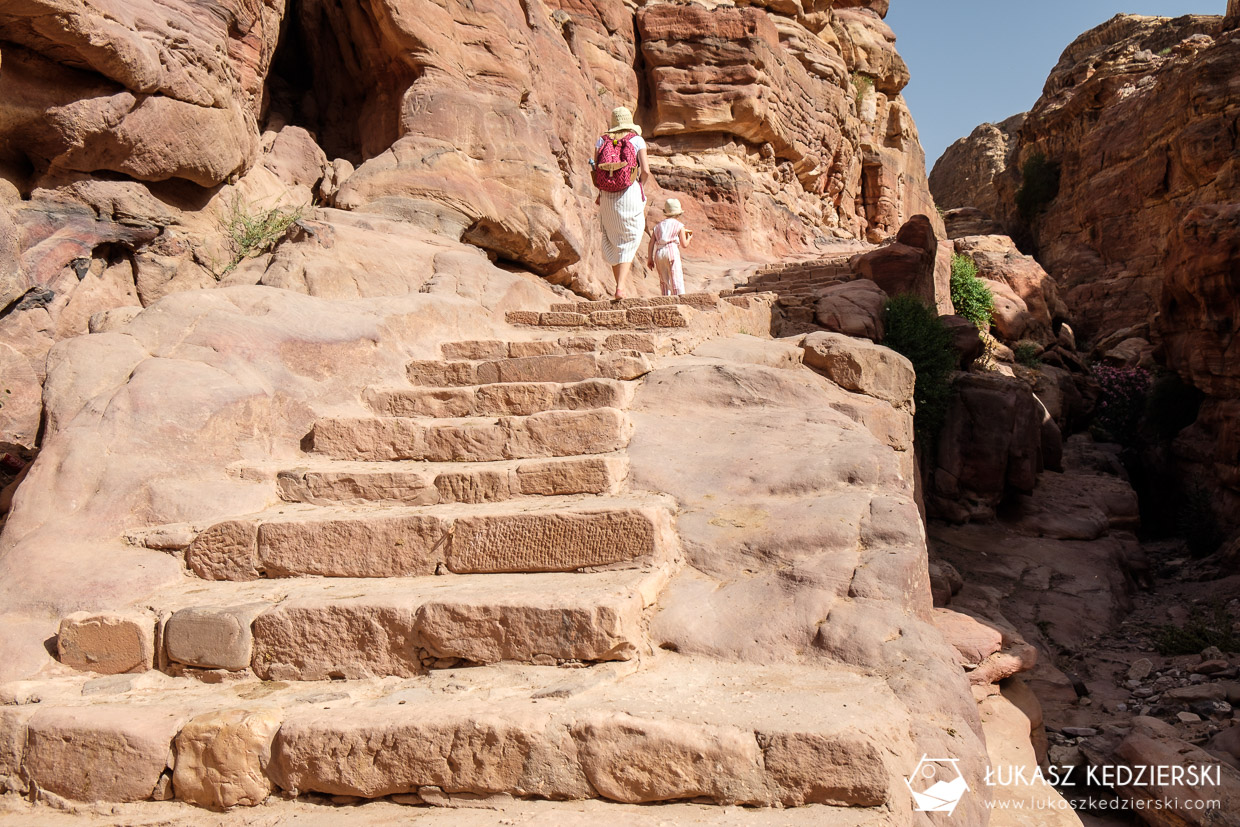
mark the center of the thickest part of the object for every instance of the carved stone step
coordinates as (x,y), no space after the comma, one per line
(554,535)
(321,629)
(512,399)
(572,367)
(548,434)
(421,483)
(677,729)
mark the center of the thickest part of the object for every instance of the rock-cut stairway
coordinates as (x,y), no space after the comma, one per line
(451,596)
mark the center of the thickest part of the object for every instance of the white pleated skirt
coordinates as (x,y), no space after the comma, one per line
(622,216)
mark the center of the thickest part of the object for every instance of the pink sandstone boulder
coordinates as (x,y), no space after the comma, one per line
(911,264)
(854,308)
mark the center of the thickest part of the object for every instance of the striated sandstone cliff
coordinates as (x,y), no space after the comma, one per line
(132,135)
(1142,236)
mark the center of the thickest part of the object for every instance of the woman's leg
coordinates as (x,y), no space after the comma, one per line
(621,272)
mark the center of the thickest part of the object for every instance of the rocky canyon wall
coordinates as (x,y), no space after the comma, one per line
(1139,219)
(134,136)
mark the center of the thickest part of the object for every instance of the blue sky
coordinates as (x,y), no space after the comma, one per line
(975,61)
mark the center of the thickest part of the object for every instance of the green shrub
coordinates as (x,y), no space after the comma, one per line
(914,330)
(1028,353)
(252,230)
(1197,523)
(1205,627)
(1172,405)
(970,295)
(1038,188)
(862,84)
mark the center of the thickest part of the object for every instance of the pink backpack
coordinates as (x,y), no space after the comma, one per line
(615,164)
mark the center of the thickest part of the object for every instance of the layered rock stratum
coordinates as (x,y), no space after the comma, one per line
(1138,226)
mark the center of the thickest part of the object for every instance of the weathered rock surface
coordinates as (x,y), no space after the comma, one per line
(734,579)
(854,308)
(916,262)
(1142,226)
(991,444)
(150,90)
(974,172)
(1200,777)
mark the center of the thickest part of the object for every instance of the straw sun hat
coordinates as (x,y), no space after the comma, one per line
(672,207)
(622,121)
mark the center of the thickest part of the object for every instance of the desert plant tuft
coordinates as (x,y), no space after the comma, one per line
(1039,186)
(915,331)
(252,230)
(1206,626)
(970,296)
(1028,353)
(862,85)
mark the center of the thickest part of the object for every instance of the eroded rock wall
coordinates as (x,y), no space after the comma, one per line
(134,136)
(1141,235)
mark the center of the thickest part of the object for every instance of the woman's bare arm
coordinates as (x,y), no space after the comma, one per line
(644,176)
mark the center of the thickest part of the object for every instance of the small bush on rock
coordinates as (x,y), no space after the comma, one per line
(1121,402)
(970,295)
(252,230)
(1039,186)
(915,331)
(1028,353)
(1206,626)
(862,84)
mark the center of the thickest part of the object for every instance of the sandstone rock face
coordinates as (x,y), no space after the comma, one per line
(1027,302)
(1149,743)
(1057,566)
(991,444)
(447,135)
(854,308)
(914,263)
(862,367)
(974,171)
(267,463)
(1144,216)
(150,90)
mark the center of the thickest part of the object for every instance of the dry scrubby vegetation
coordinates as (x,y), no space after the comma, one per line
(914,330)
(251,230)
(862,85)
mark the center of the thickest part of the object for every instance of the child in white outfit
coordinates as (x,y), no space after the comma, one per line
(666,241)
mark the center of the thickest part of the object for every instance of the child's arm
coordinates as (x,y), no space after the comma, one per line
(686,235)
(650,252)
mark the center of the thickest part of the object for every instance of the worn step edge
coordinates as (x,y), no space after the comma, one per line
(724,733)
(348,628)
(472,439)
(333,482)
(568,367)
(507,399)
(405,542)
